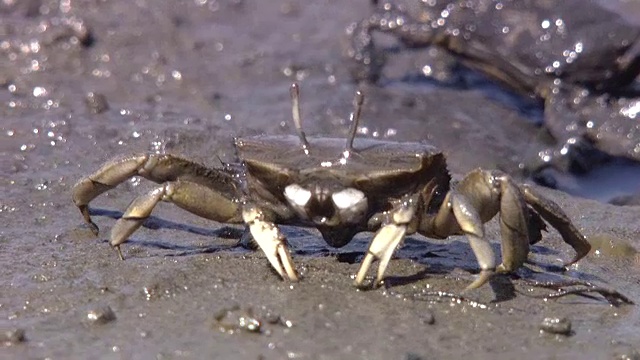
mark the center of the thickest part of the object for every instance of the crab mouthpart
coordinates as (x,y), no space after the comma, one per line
(338,236)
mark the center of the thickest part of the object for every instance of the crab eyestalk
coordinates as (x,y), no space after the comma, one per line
(295,109)
(354,118)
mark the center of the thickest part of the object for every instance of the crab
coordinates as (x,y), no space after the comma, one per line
(341,187)
(575,56)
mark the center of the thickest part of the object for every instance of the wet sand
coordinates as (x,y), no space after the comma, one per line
(187,77)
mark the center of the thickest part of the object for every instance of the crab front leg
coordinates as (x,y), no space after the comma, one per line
(205,192)
(394,226)
(271,241)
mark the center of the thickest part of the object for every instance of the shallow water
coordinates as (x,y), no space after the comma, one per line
(187,76)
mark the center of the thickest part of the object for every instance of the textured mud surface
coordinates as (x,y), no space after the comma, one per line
(583,108)
(185,78)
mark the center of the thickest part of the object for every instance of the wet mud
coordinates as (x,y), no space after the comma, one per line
(85,81)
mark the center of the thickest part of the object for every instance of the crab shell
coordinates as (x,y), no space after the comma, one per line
(338,190)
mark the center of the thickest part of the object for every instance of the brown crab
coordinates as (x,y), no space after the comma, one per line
(341,188)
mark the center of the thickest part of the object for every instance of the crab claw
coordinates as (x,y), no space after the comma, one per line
(271,241)
(382,247)
(386,240)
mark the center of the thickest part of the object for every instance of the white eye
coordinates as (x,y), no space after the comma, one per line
(297,195)
(348,198)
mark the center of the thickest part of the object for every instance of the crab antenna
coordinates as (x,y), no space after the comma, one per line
(295,109)
(354,118)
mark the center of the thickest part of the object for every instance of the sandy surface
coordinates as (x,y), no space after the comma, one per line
(185,78)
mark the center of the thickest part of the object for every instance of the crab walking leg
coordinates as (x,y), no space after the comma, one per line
(386,240)
(476,200)
(195,198)
(157,168)
(551,212)
(513,224)
(271,241)
(469,221)
(107,177)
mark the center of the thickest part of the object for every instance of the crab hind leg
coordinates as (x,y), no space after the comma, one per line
(554,215)
(514,224)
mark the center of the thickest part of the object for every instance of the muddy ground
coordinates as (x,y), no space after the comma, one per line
(185,77)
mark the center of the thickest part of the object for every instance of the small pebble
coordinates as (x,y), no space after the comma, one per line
(272,318)
(101,315)
(428,318)
(12,337)
(554,325)
(96,103)
(412,356)
(630,355)
(245,321)
(249,323)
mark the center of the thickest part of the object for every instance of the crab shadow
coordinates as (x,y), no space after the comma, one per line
(452,258)
(156,223)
